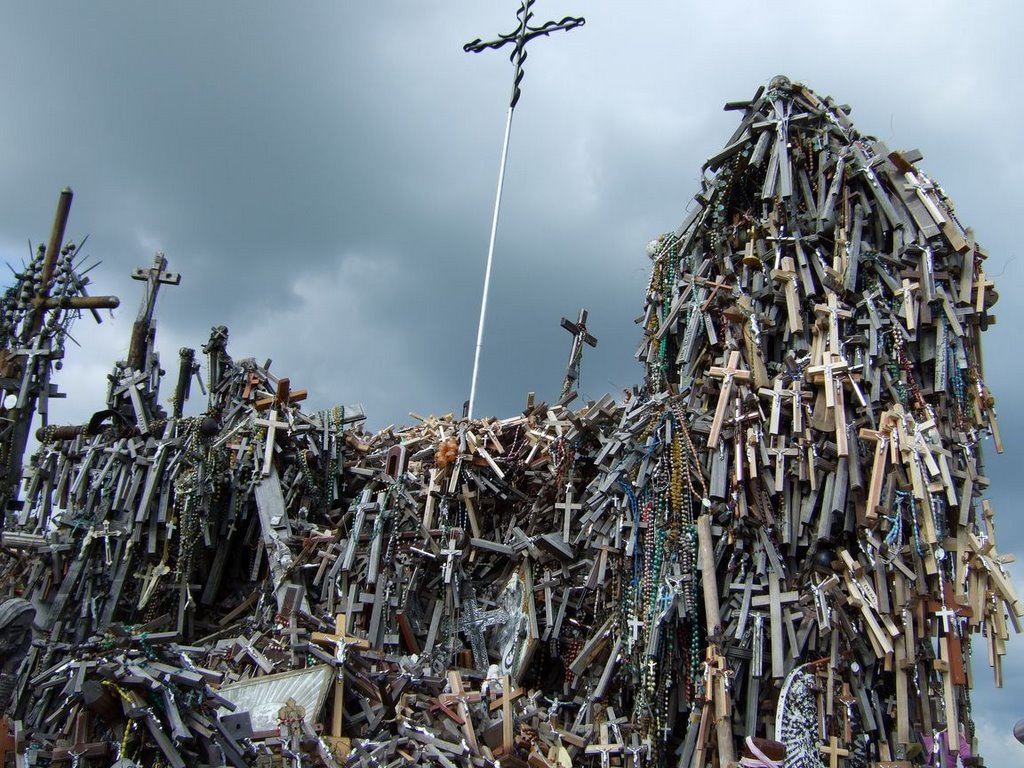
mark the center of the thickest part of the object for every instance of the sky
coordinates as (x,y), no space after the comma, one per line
(322,174)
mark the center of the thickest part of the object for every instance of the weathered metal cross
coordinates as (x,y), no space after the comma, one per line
(523,34)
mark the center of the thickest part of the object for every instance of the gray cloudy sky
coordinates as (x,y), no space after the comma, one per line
(322,175)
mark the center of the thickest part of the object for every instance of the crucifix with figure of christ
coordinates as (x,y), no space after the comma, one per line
(523,34)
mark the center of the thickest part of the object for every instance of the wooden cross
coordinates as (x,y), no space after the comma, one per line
(832,313)
(504,703)
(567,507)
(130,385)
(747,588)
(341,641)
(81,746)
(580,336)
(272,424)
(283,396)
(788,275)
(881,438)
(462,698)
(775,393)
(728,373)
(450,552)
(605,748)
(774,601)
(905,292)
(154,277)
(951,614)
(834,752)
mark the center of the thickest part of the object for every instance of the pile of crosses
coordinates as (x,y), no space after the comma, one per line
(779,536)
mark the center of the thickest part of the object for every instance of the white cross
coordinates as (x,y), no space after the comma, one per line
(271,423)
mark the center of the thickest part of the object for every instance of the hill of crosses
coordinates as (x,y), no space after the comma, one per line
(775,551)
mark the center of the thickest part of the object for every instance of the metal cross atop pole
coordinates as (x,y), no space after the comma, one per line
(518,39)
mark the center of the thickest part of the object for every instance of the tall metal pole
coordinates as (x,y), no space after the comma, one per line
(490,260)
(519,39)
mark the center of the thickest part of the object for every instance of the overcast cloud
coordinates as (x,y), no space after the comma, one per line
(322,175)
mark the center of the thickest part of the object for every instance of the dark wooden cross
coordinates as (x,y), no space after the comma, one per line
(154,277)
(523,34)
(580,336)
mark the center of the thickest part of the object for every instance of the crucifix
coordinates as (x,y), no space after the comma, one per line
(605,748)
(580,336)
(830,312)
(834,751)
(788,275)
(450,552)
(341,641)
(728,373)
(523,34)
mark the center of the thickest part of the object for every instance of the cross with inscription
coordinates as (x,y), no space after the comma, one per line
(341,641)
(154,277)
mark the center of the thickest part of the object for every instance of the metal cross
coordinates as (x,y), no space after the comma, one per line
(523,34)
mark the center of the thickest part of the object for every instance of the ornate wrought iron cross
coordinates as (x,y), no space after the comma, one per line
(518,39)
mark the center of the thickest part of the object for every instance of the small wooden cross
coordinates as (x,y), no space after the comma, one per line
(605,748)
(7,743)
(450,553)
(950,612)
(834,752)
(567,507)
(905,292)
(788,275)
(283,396)
(728,373)
(272,424)
(504,703)
(832,313)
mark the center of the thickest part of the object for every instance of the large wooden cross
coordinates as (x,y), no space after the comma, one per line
(154,277)
(341,641)
(504,703)
(605,748)
(580,336)
(728,373)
